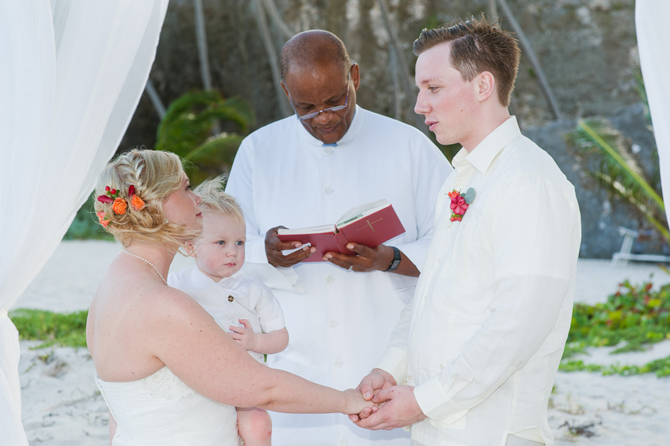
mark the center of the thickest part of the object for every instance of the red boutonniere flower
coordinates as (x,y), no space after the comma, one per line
(460,203)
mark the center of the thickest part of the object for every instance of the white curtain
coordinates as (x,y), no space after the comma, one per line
(651,25)
(71,75)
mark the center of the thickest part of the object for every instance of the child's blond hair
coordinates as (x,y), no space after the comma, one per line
(215,199)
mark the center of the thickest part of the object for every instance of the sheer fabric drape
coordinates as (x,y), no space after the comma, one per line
(71,75)
(651,22)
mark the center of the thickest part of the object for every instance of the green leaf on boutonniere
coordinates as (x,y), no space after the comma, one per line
(469,196)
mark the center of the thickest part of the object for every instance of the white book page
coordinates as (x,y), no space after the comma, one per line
(311,230)
(362,211)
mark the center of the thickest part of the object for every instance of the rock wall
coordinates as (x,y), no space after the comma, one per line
(586,47)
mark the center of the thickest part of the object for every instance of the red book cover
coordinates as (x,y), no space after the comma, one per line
(370,224)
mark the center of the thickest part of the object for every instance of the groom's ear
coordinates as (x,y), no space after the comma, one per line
(486,85)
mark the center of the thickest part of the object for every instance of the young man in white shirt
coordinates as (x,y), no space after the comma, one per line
(478,348)
(308,170)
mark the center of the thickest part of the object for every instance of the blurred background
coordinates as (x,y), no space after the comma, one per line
(579,92)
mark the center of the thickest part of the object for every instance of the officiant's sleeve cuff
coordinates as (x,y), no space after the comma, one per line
(394,361)
(435,403)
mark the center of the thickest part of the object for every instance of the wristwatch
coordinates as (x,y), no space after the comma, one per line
(396,260)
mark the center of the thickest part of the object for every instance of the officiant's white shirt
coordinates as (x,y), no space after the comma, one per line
(339,321)
(485,333)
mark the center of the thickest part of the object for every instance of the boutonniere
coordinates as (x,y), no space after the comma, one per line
(460,203)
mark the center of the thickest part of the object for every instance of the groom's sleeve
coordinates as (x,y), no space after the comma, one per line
(535,232)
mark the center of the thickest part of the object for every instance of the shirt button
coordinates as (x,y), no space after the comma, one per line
(328,191)
(337,364)
(327,150)
(330,279)
(333,323)
(344,442)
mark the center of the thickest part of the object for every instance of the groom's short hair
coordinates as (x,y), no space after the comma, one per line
(477,46)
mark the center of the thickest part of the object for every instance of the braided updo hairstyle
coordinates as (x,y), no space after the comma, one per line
(155,175)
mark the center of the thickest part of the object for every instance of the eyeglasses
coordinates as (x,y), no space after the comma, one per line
(329,110)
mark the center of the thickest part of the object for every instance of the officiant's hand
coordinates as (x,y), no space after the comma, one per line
(365,259)
(398,408)
(274,248)
(370,385)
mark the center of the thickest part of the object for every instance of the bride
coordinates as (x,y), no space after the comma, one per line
(169,374)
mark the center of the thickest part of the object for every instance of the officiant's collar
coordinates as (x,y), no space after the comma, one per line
(486,151)
(354,129)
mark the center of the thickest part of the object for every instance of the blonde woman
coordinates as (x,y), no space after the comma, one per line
(169,374)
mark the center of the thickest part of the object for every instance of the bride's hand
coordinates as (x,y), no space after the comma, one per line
(356,405)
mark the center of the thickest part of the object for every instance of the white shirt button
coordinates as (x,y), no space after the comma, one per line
(328,191)
(330,279)
(333,323)
(343,442)
(327,150)
(337,364)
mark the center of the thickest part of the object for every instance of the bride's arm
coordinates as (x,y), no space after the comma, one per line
(185,337)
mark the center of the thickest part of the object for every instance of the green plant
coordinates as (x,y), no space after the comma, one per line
(614,166)
(632,318)
(85,225)
(62,329)
(187,130)
(634,315)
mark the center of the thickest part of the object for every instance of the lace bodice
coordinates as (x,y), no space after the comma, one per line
(161,410)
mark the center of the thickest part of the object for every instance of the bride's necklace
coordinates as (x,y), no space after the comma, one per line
(145,260)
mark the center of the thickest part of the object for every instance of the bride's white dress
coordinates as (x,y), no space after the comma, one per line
(161,410)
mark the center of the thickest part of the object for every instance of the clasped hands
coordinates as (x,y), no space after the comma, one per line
(395,405)
(364,259)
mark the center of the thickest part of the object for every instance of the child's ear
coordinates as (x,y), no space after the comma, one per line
(190,248)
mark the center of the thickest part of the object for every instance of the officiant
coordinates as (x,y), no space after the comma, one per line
(307,170)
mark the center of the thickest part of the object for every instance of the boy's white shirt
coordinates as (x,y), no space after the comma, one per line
(232,298)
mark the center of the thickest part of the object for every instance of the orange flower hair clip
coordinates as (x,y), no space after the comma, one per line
(119,205)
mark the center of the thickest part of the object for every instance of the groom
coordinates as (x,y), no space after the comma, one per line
(477,350)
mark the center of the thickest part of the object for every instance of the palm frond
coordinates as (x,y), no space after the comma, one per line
(187,127)
(597,140)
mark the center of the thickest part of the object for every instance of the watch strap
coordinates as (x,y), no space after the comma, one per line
(396,260)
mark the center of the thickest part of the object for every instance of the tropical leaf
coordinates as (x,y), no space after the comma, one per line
(187,130)
(612,164)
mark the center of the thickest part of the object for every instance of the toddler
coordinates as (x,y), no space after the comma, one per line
(242,306)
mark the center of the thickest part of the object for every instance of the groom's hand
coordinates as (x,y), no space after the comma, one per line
(398,408)
(375,381)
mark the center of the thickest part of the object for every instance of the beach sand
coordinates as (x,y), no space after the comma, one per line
(62,405)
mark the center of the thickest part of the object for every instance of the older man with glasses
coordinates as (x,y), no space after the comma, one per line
(308,170)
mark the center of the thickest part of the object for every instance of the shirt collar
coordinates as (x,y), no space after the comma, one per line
(485,152)
(352,132)
(200,278)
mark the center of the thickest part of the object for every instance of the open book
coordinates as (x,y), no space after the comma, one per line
(369,224)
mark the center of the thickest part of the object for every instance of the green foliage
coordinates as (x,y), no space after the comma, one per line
(61,329)
(615,167)
(85,225)
(187,131)
(636,315)
(612,164)
(633,317)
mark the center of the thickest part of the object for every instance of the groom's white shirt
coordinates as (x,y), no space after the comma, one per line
(483,337)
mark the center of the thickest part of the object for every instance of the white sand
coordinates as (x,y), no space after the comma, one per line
(62,406)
